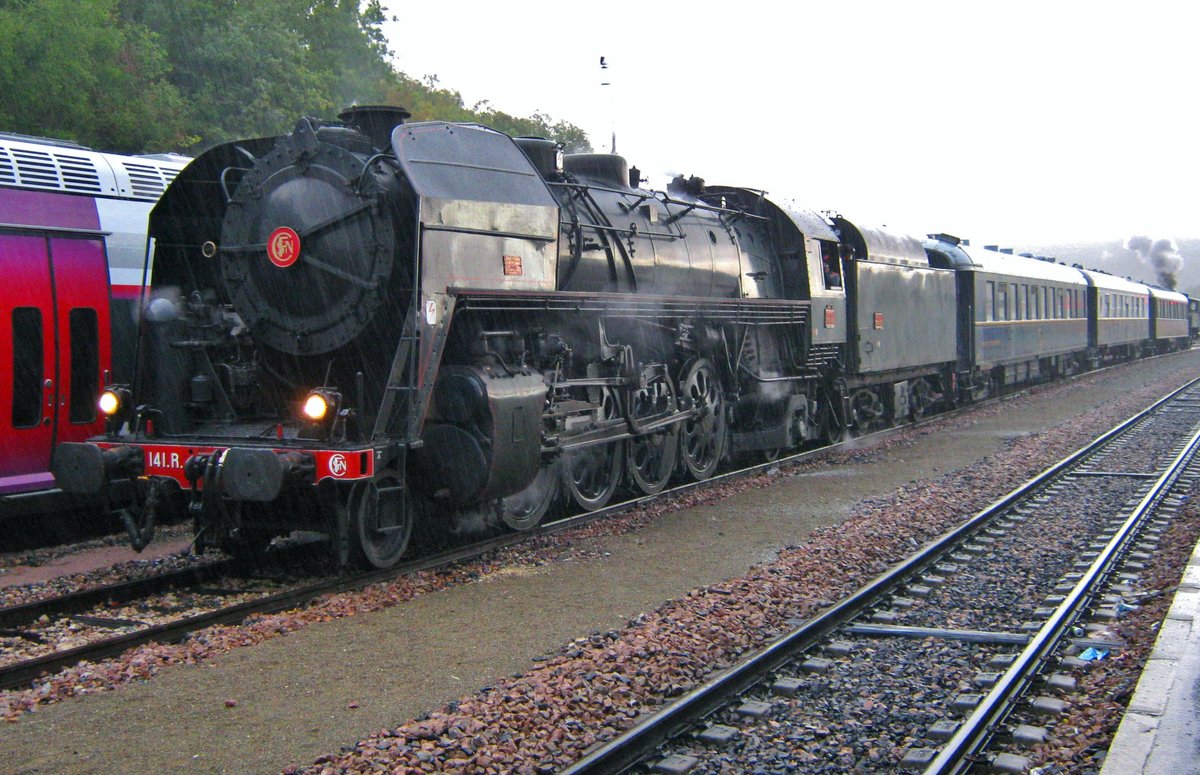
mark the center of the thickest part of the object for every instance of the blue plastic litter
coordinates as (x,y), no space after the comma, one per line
(1089,654)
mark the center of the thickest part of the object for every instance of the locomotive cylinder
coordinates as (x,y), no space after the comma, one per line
(486,439)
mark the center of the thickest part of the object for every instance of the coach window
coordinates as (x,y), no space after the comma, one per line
(989,301)
(1001,301)
(85,364)
(27,367)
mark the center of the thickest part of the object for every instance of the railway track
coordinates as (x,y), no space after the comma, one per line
(948,661)
(93,610)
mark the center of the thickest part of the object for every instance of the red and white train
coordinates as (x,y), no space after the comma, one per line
(72,262)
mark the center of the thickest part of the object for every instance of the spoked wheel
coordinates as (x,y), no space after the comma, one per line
(526,509)
(381,517)
(868,411)
(924,396)
(591,475)
(702,437)
(650,458)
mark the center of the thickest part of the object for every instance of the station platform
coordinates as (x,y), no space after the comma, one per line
(1160,733)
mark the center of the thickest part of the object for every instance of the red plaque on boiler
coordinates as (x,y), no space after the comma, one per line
(512,266)
(283,247)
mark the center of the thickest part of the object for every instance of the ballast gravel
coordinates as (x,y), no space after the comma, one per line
(396,652)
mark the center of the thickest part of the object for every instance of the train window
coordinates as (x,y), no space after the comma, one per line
(1019,302)
(1045,302)
(1026,309)
(989,301)
(1002,301)
(85,364)
(831,266)
(27,367)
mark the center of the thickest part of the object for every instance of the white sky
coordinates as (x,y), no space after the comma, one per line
(1013,122)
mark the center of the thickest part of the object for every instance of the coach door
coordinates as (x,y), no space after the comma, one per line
(54,313)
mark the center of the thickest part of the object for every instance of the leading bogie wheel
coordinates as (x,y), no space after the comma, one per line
(381,521)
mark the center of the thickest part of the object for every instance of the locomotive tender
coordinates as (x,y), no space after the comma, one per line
(368,323)
(72,251)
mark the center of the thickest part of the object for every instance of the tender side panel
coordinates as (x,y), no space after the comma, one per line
(905,316)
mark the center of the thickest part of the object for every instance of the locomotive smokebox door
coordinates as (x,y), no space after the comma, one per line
(329,266)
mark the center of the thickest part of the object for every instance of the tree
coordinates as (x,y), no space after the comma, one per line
(138,75)
(68,69)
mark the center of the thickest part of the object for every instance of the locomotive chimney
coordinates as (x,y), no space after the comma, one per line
(375,121)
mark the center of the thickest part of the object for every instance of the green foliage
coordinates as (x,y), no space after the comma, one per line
(138,75)
(69,70)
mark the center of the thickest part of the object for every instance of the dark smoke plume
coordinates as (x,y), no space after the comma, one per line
(1162,255)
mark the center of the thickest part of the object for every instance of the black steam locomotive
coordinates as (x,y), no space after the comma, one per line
(367,323)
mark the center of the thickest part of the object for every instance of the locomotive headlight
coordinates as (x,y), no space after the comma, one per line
(321,403)
(113,400)
(109,403)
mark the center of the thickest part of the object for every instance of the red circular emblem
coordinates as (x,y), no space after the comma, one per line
(283,247)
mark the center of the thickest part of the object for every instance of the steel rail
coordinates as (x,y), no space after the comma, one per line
(648,735)
(974,733)
(15,616)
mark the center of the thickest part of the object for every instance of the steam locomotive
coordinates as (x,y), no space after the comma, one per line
(72,248)
(367,324)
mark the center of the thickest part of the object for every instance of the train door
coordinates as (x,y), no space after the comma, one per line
(54,315)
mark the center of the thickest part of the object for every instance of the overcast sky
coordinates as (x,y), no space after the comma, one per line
(1013,122)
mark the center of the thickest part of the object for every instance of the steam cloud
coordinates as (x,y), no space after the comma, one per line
(1162,255)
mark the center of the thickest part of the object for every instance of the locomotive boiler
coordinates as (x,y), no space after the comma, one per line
(367,323)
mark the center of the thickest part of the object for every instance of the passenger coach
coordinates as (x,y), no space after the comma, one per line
(1019,319)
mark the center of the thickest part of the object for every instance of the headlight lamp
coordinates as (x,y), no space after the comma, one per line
(109,403)
(114,401)
(321,404)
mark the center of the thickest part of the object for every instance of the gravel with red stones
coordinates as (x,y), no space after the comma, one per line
(597,686)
